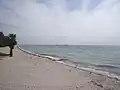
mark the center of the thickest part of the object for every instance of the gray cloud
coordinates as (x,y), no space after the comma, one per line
(52,21)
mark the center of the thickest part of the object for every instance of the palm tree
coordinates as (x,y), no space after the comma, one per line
(1,39)
(8,41)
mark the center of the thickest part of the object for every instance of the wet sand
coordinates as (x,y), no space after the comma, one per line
(28,72)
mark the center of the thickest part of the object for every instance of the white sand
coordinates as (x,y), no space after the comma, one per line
(27,72)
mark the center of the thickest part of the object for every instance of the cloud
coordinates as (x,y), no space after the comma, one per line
(62,21)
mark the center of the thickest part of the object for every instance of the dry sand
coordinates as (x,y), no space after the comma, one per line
(27,72)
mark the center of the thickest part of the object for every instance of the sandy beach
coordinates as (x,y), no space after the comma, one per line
(28,72)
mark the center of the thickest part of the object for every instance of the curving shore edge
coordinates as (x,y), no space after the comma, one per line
(59,60)
(32,71)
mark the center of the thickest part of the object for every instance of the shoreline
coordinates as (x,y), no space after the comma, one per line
(59,60)
(26,71)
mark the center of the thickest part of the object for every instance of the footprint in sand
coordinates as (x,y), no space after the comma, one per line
(70,70)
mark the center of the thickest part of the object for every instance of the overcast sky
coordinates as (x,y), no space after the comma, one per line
(62,21)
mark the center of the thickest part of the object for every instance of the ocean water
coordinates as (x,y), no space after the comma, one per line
(105,58)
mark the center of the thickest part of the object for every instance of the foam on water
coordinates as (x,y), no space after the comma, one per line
(91,70)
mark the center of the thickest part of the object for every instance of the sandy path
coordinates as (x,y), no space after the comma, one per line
(27,72)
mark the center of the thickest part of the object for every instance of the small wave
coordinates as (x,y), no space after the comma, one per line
(49,55)
(107,66)
(100,72)
(52,56)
